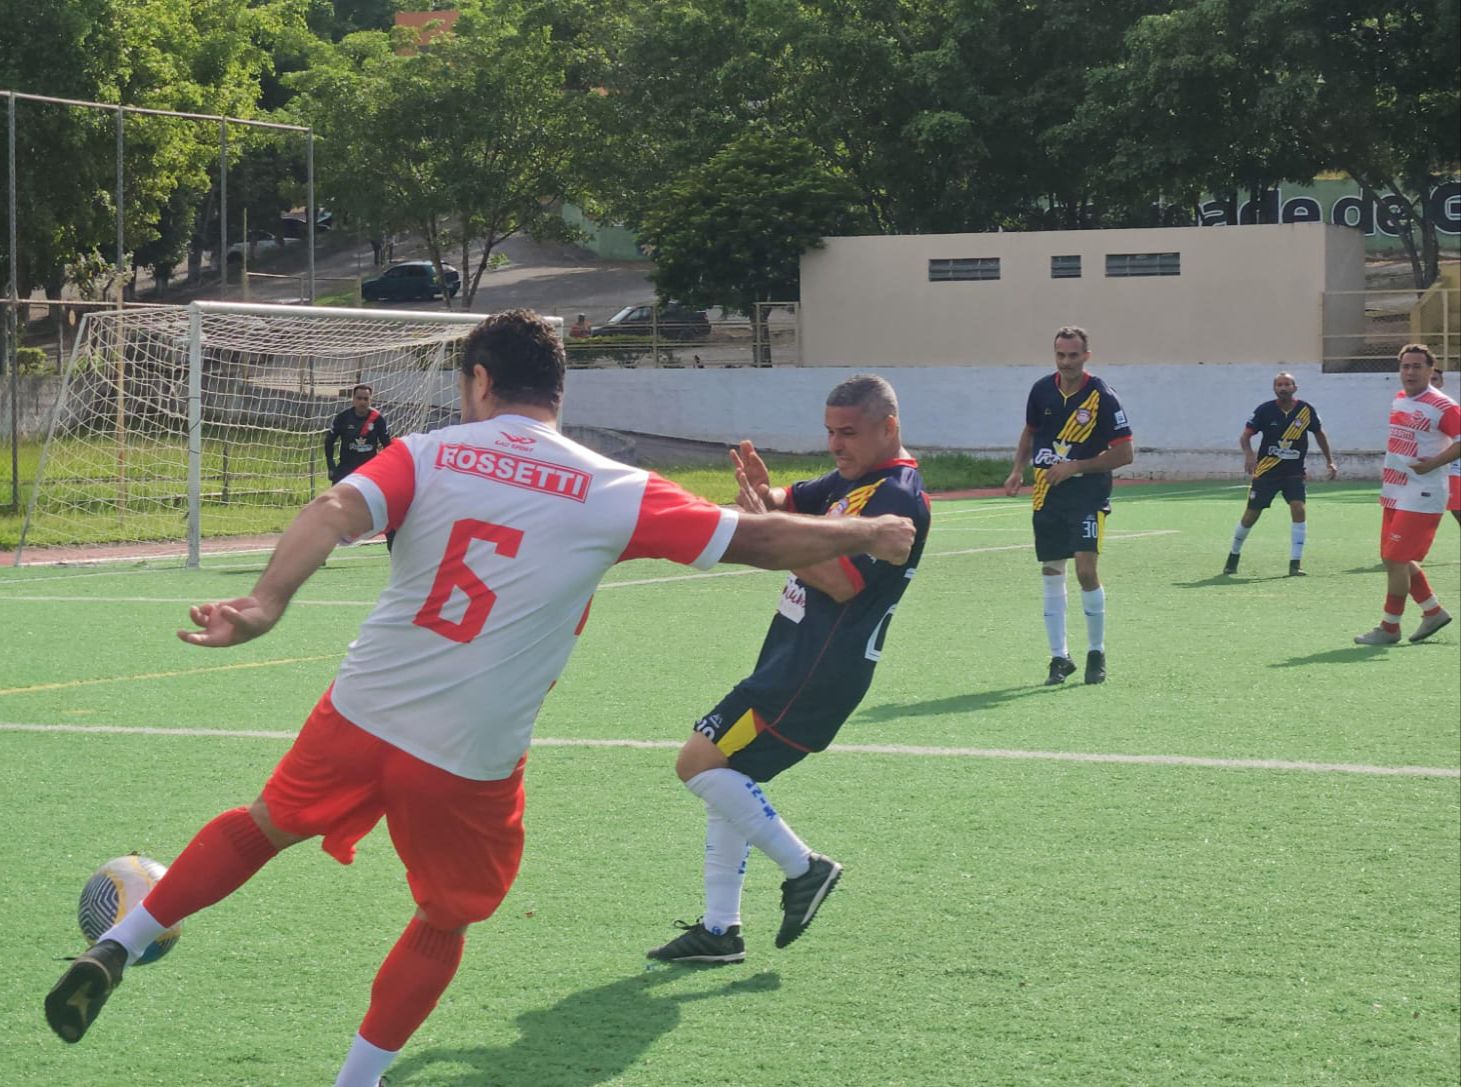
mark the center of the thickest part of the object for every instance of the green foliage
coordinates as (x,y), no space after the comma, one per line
(463,142)
(731,233)
(33,360)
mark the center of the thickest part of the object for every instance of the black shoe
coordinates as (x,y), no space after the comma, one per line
(74,1002)
(1231,566)
(802,897)
(1294,570)
(1095,666)
(699,944)
(1060,667)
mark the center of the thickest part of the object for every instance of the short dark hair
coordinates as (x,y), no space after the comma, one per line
(1417,349)
(521,354)
(1073,332)
(355,389)
(873,394)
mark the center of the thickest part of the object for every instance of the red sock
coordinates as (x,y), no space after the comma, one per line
(1420,588)
(218,861)
(410,982)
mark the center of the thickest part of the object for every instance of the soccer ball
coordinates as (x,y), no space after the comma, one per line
(116,887)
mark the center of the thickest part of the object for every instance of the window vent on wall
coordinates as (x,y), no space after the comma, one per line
(1065,267)
(942,271)
(1120,265)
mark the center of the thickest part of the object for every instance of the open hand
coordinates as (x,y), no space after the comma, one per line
(228,622)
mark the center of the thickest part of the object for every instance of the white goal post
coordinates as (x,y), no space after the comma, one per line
(178,422)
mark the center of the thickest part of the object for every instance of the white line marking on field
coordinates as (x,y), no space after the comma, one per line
(90,598)
(909,750)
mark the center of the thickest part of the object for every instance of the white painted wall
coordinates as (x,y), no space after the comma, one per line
(1186,418)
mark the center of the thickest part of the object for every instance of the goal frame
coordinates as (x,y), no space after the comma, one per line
(196,311)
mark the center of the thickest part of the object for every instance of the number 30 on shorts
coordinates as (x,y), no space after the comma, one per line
(1091,527)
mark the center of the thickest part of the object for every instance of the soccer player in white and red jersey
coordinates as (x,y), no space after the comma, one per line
(1453,474)
(1425,425)
(504,529)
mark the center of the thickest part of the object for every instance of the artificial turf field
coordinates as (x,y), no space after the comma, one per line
(1235,863)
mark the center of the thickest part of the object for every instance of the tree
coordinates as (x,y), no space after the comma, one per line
(466,142)
(731,233)
(163,54)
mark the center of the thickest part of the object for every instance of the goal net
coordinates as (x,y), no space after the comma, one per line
(177,424)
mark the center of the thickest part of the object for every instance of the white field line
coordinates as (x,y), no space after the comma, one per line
(904,750)
(91,598)
(1014,506)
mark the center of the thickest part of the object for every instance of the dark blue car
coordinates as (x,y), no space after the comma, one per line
(410,280)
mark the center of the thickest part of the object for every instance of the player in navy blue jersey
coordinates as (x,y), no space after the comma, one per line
(1076,433)
(1285,422)
(815,665)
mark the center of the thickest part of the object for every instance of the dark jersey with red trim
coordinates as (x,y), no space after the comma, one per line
(818,657)
(1285,437)
(1076,427)
(360,438)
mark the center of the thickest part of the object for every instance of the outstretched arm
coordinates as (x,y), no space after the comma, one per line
(785,541)
(338,514)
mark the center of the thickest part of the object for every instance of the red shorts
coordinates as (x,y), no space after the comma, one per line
(461,840)
(1406,536)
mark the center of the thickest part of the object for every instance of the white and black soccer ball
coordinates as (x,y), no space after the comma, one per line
(115,888)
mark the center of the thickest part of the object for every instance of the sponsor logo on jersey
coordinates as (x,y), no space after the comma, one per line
(793,603)
(532,475)
(1412,420)
(1284,450)
(520,442)
(1058,452)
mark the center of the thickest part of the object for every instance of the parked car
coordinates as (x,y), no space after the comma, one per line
(292,225)
(410,280)
(262,242)
(671,321)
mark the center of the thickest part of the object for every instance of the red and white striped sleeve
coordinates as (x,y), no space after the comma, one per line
(387,482)
(676,525)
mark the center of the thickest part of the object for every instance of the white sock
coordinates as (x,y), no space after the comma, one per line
(1239,535)
(741,803)
(1297,532)
(726,850)
(135,931)
(1055,614)
(364,1064)
(1093,603)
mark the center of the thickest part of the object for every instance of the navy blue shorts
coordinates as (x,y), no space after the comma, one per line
(1061,533)
(757,748)
(1263,491)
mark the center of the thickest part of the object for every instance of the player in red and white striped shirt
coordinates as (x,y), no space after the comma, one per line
(504,529)
(1425,425)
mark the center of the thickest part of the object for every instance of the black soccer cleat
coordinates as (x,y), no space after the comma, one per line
(1095,666)
(803,896)
(1060,667)
(1294,569)
(73,1004)
(1231,566)
(698,944)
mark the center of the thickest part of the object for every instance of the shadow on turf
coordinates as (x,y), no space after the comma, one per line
(962,703)
(585,1039)
(1348,655)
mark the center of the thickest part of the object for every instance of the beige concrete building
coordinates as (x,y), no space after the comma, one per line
(1247,294)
